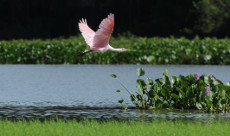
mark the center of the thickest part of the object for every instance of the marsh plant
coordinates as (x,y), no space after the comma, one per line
(195,91)
(153,50)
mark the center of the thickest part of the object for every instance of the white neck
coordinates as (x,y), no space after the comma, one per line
(115,49)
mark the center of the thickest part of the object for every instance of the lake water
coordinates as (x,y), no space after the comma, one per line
(76,91)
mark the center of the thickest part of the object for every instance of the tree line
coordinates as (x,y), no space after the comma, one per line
(52,18)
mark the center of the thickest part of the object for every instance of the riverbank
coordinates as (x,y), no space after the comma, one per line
(152,51)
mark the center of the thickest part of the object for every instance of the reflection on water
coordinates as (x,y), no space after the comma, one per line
(76,91)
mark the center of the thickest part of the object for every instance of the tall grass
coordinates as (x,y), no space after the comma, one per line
(111,128)
(148,51)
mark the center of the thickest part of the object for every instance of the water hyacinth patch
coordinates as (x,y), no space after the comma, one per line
(153,51)
(195,91)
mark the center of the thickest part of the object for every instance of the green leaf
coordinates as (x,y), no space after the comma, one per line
(228,84)
(176,97)
(206,80)
(181,95)
(151,102)
(165,104)
(139,97)
(223,94)
(164,92)
(223,101)
(210,94)
(118,91)
(149,81)
(160,80)
(166,72)
(208,103)
(139,88)
(190,78)
(156,87)
(167,81)
(121,101)
(132,97)
(151,93)
(140,72)
(215,101)
(141,82)
(113,75)
(175,78)
(198,106)
(172,81)
(207,57)
(189,93)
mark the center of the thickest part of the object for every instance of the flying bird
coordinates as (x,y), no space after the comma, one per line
(99,40)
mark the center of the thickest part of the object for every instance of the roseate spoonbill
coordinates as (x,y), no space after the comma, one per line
(99,40)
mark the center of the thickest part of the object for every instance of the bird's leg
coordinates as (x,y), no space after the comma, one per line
(83,53)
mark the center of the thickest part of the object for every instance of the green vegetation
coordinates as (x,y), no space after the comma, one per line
(121,128)
(210,16)
(146,18)
(184,92)
(148,51)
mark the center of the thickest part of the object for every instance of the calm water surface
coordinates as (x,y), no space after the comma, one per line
(76,91)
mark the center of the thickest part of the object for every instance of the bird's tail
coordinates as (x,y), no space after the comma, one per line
(83,53)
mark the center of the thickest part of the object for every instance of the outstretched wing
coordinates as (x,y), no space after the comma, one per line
(103,34)
(86,32)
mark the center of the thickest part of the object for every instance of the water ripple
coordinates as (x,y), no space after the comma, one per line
(31,112)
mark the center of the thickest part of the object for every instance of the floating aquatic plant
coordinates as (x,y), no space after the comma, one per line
(153,50)
(203,92)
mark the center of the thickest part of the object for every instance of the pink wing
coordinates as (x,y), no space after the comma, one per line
(103,34)
(86,32)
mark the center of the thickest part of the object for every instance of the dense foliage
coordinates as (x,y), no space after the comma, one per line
(211,16)
(148,51)
(185,92)
(48,19)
